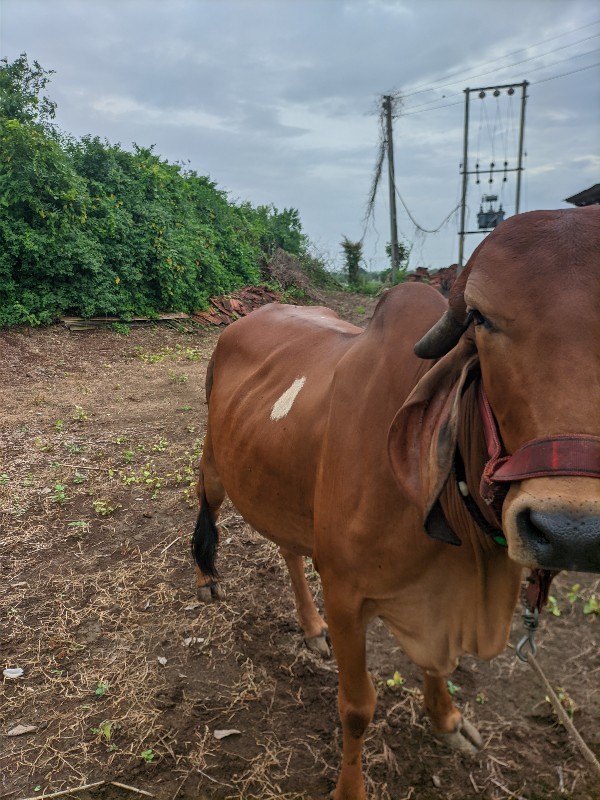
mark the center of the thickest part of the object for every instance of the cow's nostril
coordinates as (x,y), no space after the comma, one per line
(529,531)
(560,540)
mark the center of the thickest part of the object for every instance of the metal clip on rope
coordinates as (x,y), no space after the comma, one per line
(531,620)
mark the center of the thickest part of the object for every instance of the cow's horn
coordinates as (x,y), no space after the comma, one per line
(440,339)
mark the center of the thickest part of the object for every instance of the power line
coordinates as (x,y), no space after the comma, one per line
(509,66)
(428,88)
(414,221)
(533,83)
(562,75)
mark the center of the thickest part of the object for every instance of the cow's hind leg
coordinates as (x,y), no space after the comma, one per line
(447,721)
(311,622)
(205,538)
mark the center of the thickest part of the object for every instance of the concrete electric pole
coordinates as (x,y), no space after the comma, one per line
(388,101)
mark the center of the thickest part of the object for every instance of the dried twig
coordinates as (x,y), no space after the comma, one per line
(214,780)
(507,790)
(131,789)
(65,792)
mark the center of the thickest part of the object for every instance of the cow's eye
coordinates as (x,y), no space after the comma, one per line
(479,319)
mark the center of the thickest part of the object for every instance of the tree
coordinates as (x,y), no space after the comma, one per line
(353,256)
(403,256)
(88,228)
(20,89)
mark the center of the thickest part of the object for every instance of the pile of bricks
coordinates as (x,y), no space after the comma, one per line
(225,309)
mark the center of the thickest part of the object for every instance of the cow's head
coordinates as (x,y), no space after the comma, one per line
(527,307)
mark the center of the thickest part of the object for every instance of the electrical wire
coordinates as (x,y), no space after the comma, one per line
(531,83)
(562,75)
(414,221)
(409,108)
(426,88)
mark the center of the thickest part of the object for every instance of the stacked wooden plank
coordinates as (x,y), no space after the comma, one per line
(222,311)
(93,323)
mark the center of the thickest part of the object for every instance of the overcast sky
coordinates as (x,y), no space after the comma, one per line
(278,100)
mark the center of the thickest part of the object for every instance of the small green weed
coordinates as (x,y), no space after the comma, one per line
(103,507)
(566,702)
(591,606)
(573,594)
(396,681)
(79,415)
(553,606)
(79,526)
(147,755)
(59,493)
(105,732)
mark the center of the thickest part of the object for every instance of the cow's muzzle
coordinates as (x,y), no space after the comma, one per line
(557,529)
(560,540)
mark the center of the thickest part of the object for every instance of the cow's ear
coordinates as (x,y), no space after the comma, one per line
(422,437)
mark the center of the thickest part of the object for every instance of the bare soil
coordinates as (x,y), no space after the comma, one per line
(126,677)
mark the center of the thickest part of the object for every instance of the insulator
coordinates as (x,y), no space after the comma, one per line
(482,94)
(511,91)
(496,92)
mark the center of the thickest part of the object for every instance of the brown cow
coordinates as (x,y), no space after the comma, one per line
(342,445)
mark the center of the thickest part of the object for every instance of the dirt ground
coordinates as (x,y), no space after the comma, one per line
(127,677)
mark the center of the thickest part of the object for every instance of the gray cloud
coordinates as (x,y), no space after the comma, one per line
(277,100)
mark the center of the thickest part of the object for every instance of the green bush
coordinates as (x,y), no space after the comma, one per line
(88,228)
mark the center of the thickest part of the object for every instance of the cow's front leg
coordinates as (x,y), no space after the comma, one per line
(312,623)
(447,721)
(356,695)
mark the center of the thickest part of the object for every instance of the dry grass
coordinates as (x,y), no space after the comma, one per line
(93,597)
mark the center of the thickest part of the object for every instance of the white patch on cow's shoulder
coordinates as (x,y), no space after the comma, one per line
(282,407)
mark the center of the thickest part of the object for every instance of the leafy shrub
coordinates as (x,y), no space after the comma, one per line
(88,228)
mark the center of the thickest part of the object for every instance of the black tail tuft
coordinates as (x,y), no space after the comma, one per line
(205,541)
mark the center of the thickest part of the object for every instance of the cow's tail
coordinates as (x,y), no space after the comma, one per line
(205,541)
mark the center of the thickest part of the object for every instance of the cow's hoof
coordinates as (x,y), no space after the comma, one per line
(210,592)
(319,645)
(466,738)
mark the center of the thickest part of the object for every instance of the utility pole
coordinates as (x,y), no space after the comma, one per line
(525,84)
(387,107)
(463,202)
(504,170)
